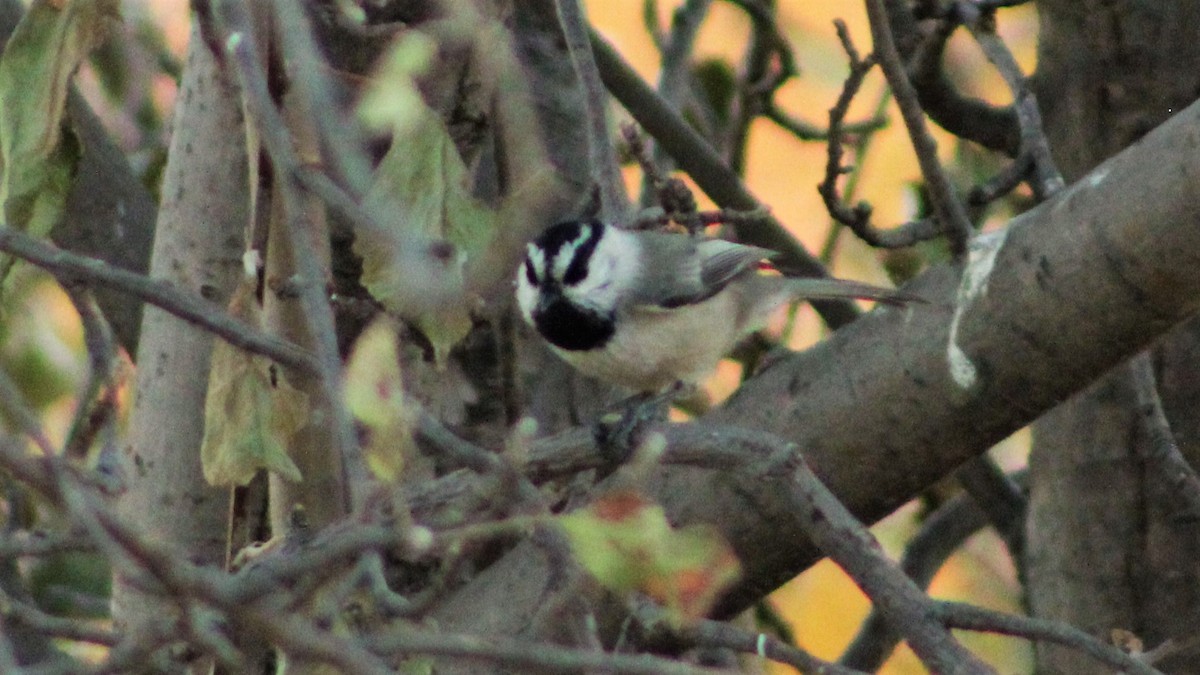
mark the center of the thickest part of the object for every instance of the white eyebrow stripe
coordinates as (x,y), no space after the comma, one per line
(538,260)
(566,254)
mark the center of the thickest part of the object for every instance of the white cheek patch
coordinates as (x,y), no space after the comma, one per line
(613,267)
(526,298)
(527,293)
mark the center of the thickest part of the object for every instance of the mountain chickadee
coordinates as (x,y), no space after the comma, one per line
(648,309)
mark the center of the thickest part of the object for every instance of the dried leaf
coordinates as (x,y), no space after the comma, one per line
(435,225)
(38,151)
(626,543)
(375,396)
(249,419)
(1127,641)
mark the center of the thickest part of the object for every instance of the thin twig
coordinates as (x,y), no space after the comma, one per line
(674,77)
(661,629)
(849,544)
(992,127)
(940,535)
(698,159)
(1046,179)
(947,207)
(859,150)
(526,655)
(244,56)
(969,617)
(767,65)
(94,411)
(858,219)
(70,268)
(479,460)
(613,200)
(1162,453)
(341,143)
(55,626)
(999,497)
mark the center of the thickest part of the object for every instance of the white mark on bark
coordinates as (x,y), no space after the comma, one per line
(981,259)
(1095,178)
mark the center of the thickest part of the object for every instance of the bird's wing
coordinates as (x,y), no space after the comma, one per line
(679,270)
(721,261)
(669,271)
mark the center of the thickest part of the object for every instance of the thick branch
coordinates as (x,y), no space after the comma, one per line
(897,400)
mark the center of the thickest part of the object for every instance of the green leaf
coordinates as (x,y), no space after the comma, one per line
(38,151)
(249,417)
(375,396)
(626,543)
(415,266)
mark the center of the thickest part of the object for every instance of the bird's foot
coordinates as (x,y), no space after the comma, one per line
(619,433)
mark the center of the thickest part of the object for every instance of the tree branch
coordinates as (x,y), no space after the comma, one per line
(700,161)
(947,207)
(71,268)
(1114,255)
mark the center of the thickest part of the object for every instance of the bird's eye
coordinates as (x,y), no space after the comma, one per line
(530,275)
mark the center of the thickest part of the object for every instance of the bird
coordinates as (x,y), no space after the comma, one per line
(648,310)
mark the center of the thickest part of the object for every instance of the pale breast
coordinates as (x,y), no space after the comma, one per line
(653,348)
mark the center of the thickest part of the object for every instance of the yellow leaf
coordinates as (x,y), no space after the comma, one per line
(374,393)
(248,418)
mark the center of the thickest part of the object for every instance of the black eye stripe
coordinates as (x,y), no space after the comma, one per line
(578,269)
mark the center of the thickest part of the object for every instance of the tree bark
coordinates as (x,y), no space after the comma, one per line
(1106,547)
(198,247)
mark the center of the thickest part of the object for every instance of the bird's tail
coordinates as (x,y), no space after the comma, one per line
(811,288)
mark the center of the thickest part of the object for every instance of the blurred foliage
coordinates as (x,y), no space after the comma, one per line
(72,583)
(626,544)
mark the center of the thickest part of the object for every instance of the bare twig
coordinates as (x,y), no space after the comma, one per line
(767,65)
(55,626)
(969,118)
(71,268)
(1000,498)
(341,143)
(1035,155)
(858,219)
(969,617)
(855,550)
(526,655)
(477,459)
(696,157)
(244,56)
(661,630)
(859,149)
(674,77)
(613,200)
(942,533)
(947,207)
(1162,454)
(94,410)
